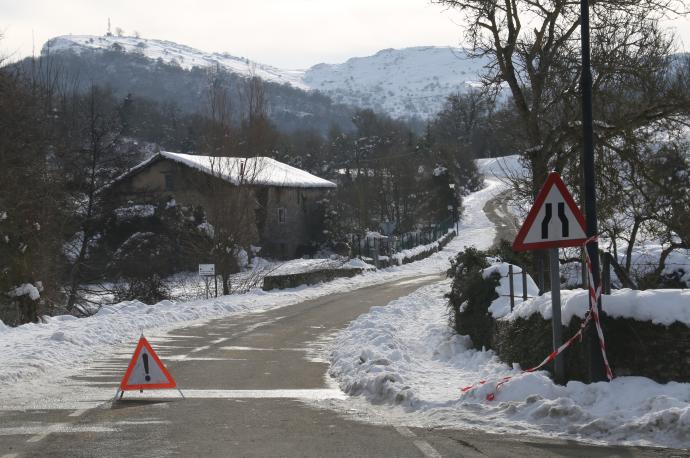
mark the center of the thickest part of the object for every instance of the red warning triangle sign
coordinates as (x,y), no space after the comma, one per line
(146,371)
(554,221)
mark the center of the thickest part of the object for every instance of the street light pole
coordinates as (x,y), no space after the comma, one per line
(596,363)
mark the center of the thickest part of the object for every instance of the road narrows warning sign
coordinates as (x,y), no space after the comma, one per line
(146,371)
(554,221)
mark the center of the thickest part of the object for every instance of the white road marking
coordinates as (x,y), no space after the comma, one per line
(262,349)
(10,455)
(221,340)
(201,358)
(40,436)
(405,431)
(315,394)
(198,349)
(423,446)
(426,449)
(77,413)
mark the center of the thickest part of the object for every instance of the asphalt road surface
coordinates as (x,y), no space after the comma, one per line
(252,385)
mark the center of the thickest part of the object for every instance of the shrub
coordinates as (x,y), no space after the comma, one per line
(470,296)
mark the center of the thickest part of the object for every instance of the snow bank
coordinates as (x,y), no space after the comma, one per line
(660,306)
(356,263)
(406,358)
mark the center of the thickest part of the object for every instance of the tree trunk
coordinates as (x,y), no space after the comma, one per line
(225,276)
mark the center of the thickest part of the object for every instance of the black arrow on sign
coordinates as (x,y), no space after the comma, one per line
(563,218)
(545,222)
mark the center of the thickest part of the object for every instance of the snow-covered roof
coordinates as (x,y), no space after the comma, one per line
(259,171)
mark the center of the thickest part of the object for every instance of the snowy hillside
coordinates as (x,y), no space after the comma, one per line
(404,83)
(401,82)
(170,52)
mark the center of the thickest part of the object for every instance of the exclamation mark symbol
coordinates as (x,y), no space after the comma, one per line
(145,357)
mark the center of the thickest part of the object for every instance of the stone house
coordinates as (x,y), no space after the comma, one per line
(285,197)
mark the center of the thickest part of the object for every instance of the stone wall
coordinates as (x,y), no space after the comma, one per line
(388,261)
(639,348)
(307,278)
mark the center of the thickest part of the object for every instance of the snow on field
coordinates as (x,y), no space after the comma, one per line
(40,354)
(407,361)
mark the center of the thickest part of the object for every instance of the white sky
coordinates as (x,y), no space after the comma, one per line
(284,33)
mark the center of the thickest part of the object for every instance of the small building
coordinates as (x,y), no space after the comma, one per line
(285,197)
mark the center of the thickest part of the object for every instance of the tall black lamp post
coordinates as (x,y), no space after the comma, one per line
(597,371)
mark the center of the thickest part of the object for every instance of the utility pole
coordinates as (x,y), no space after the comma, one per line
(597,372)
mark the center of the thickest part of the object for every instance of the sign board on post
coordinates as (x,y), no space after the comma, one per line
(207,270)
(554,222)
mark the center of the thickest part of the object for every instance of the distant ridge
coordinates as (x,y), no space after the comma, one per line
(403,83)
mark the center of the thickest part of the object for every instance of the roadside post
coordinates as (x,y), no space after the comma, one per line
(554,222)
(597,372)
(206,271)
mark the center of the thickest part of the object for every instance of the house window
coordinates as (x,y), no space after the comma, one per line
(169,182)
(281,215)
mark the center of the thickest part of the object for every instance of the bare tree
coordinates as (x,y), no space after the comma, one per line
(93,155)
(533,48)
(230,206)
(260,135)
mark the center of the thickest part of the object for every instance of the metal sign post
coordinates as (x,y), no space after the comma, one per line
(553,222)
(557,327)
(206,271)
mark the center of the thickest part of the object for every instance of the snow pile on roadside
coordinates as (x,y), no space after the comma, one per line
(298,266)
(406,357)
(63,343)
(660,306)
(356,263)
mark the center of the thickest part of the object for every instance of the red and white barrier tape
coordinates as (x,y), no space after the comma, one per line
(592,313)
(594,309)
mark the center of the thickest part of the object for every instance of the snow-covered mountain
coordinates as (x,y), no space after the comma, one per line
(174,53)
(403,83)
